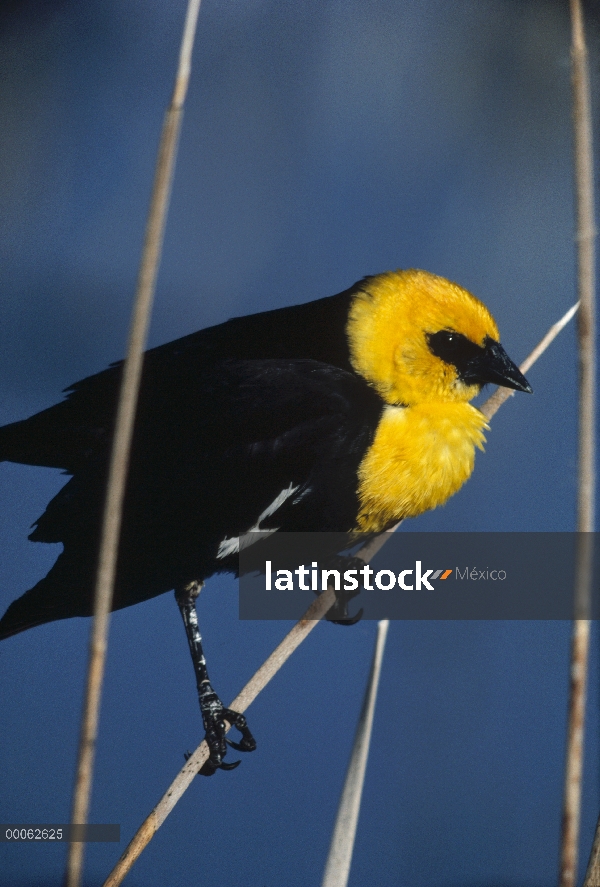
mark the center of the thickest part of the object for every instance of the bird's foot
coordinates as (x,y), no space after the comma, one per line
(339,612)
(215,715)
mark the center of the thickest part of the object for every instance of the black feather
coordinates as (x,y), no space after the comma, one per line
(210,453)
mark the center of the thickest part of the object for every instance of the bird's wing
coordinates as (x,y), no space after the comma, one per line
(230,445)
(72,432)
(269,444)
(287,423)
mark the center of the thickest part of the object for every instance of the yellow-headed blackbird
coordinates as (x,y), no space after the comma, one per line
(343,414)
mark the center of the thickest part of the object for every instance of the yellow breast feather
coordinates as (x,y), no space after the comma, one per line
(420,456)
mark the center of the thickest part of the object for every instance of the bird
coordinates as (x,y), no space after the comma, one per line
(346,414)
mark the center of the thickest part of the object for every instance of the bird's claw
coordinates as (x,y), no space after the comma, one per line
(217,740)
(227,765)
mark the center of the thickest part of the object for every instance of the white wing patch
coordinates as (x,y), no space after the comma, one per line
(235,543)
(272,508)
(301,495)
(228,546)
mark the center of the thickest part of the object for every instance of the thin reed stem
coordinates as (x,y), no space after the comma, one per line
(585,237)
(119,461)
(339,859)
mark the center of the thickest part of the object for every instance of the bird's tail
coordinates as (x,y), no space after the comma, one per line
(12,442)
(29,443)
(57,596)
(21,615)
(47,438)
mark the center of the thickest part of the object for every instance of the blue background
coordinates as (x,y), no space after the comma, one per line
(322,141)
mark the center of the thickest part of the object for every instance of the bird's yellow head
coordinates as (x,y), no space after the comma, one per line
(417,337)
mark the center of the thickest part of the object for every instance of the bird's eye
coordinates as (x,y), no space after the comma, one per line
(448,338)
(452,347)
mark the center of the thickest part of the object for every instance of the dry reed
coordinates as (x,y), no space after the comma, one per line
(122,441)
(585,237)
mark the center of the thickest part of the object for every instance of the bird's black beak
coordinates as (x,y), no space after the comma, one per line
(493,365)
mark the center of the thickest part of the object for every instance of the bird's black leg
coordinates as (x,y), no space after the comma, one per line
(339,612)
(214,713)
